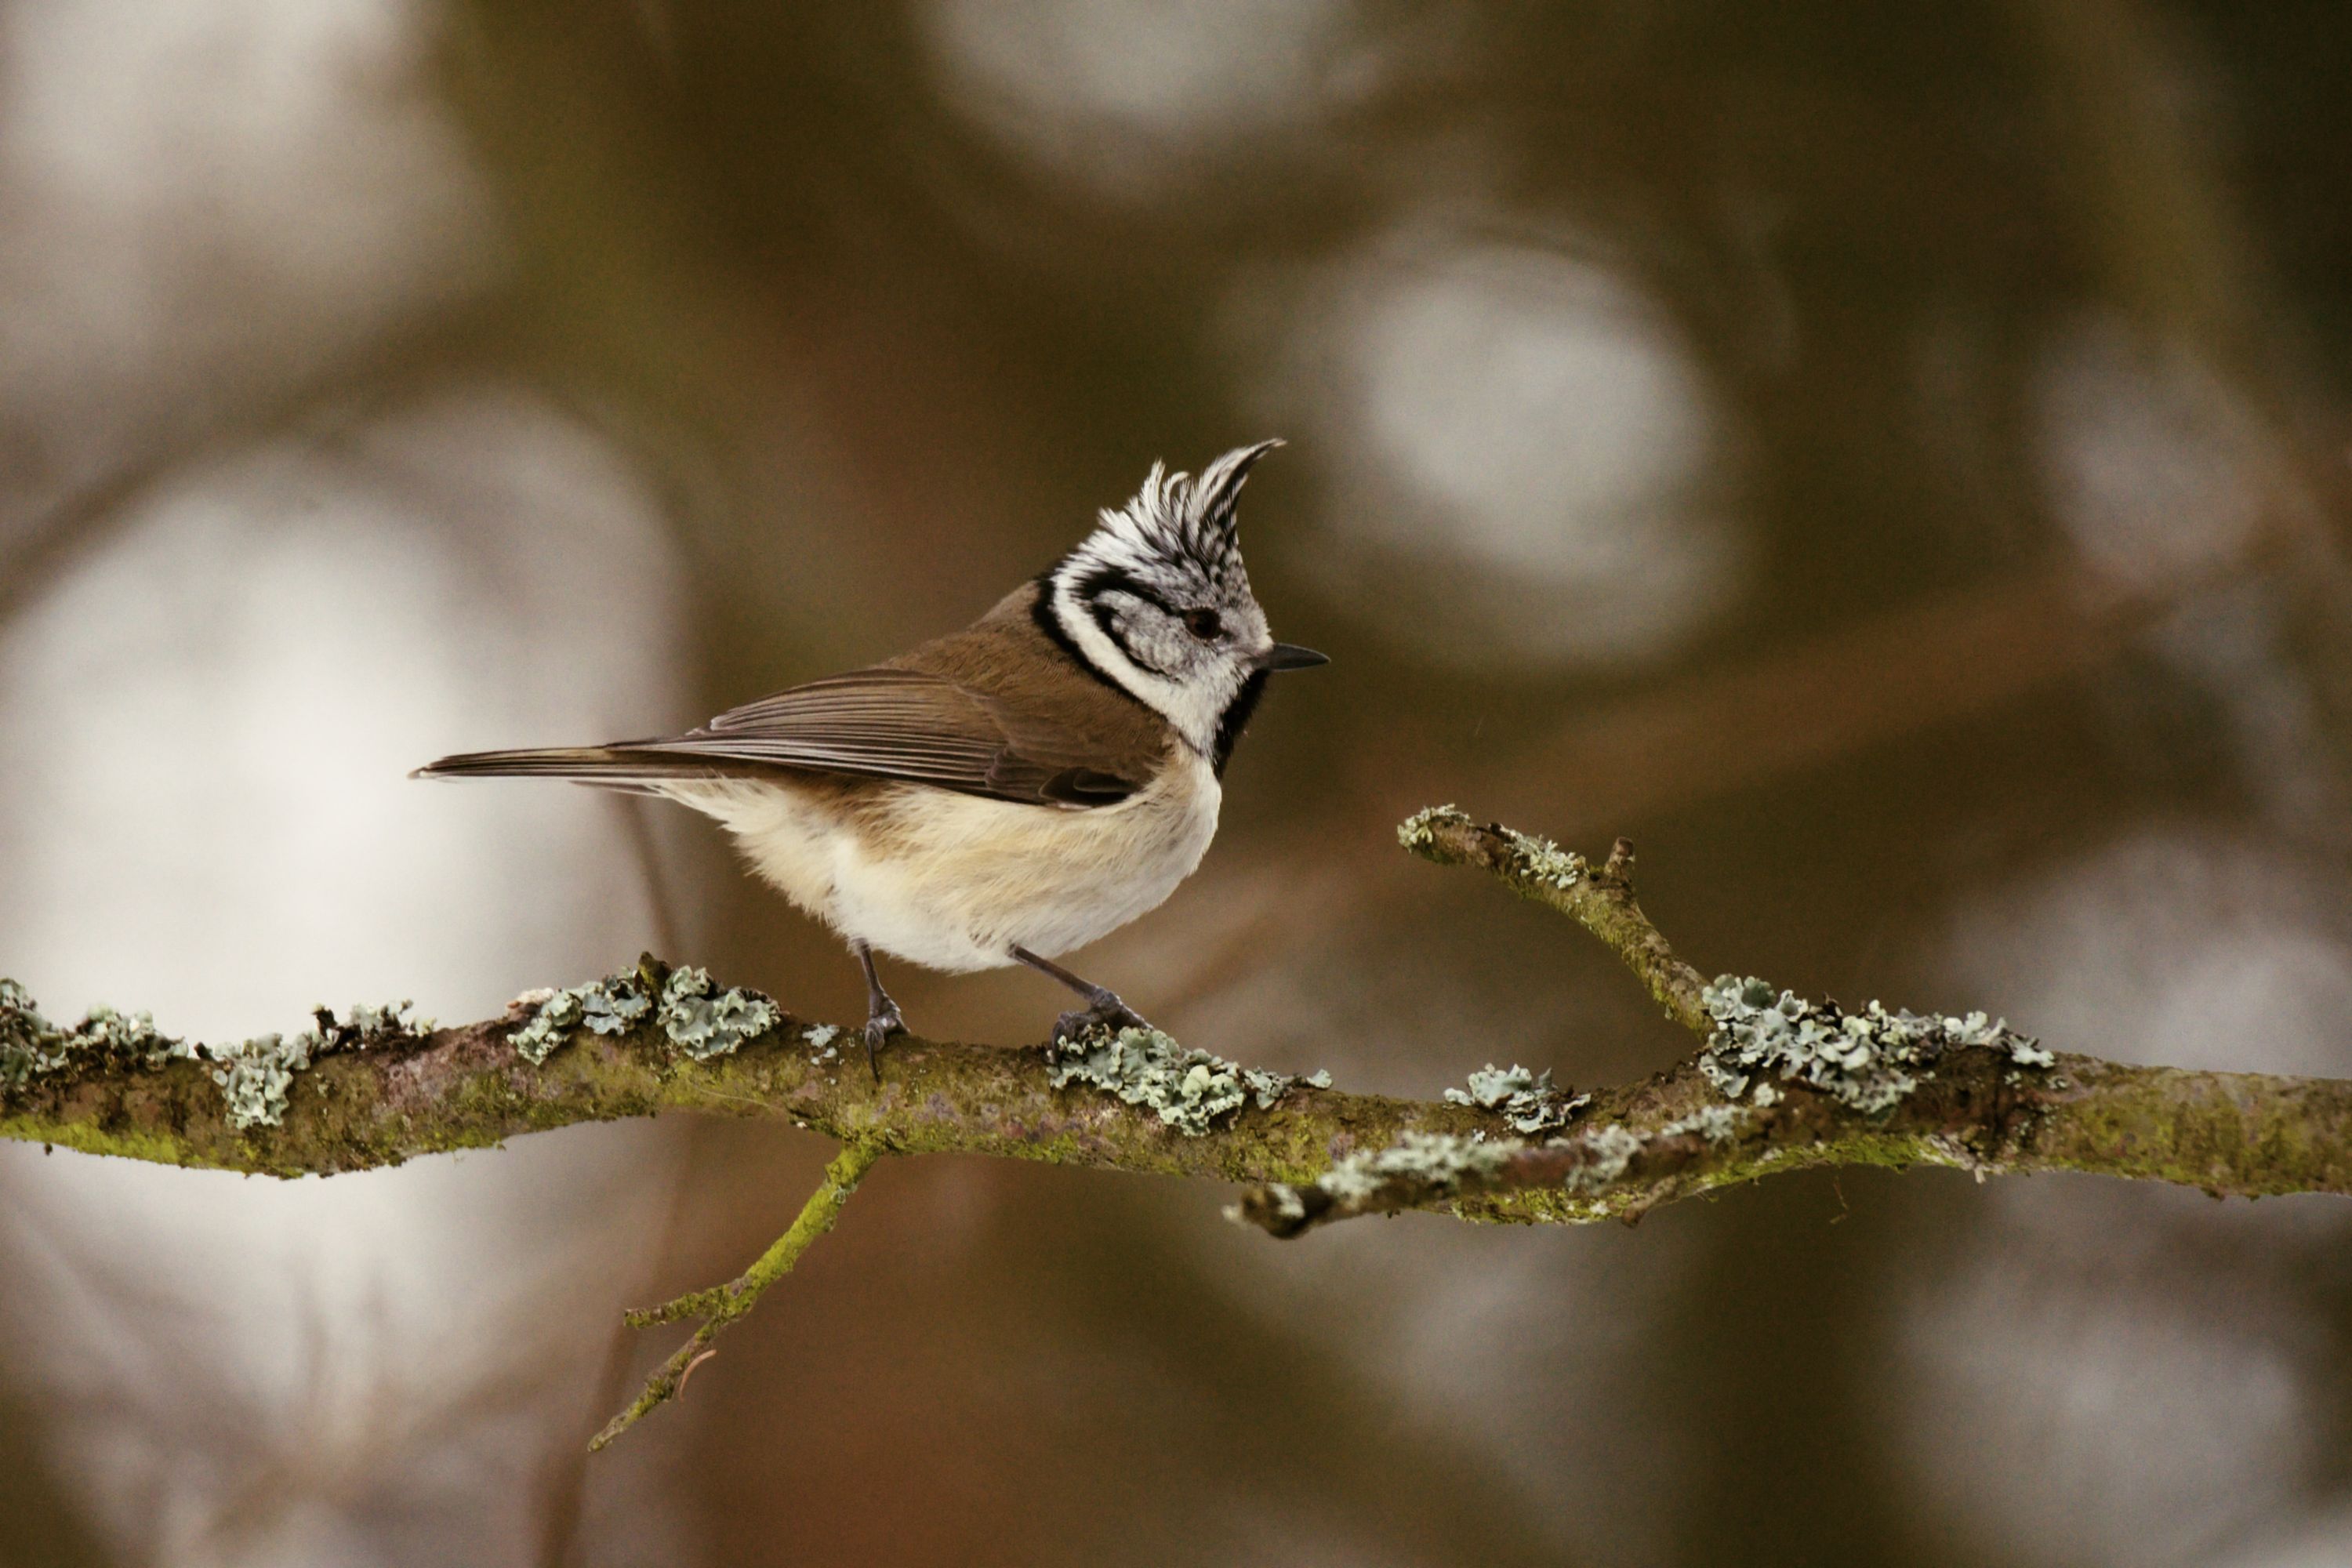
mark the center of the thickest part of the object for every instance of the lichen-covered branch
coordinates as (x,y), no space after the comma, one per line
(1782,1083)
(721,1304)
(1779,1083)
(1601,898)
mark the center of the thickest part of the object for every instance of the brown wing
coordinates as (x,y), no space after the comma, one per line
(872,723)
(994,709)
(913,725)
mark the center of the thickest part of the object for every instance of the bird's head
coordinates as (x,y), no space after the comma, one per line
(1156,601)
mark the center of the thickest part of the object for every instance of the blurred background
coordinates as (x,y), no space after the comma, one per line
(1891,462)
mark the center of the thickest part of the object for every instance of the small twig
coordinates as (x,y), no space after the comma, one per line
(1601,900)
(722,1304)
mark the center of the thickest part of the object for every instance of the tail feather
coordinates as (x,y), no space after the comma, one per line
(614,767)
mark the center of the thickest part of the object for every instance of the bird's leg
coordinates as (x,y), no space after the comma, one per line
(882,1019)
(1103,1007)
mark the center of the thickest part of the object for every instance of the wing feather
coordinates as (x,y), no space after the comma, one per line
(884,723)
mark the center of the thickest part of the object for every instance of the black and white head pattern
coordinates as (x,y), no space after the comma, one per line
(1156,602)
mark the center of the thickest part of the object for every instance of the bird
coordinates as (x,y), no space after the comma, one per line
(1004,794)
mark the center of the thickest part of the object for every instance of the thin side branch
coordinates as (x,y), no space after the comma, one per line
(719,1306)
(1601,900)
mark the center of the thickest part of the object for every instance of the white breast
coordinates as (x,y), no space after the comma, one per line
(955,882)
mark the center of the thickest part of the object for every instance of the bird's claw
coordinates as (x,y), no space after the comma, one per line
(1106,1012)
(880,1025)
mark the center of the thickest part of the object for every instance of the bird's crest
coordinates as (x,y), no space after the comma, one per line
(1176,515)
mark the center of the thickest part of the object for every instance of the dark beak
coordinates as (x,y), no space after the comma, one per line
(1290,655)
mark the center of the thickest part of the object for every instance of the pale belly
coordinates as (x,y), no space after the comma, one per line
(954,881)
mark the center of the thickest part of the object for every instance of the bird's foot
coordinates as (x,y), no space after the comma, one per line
(1103,1011)
(880,1024)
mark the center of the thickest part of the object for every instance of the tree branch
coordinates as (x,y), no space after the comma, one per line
(471,1087)
(1600,900)
(1759,1098)
(1984,1099)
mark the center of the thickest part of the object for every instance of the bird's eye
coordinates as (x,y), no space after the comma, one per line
(1203,623)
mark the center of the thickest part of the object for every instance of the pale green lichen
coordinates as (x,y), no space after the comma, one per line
(1527,1100)
(703,1021)
(1867,1060)
(1716,1123)
(1544,862)
(557,1015)
(1419,1167)
(255,1076)
(1188,1089)
(1437,1161)
(698,1019)
(1608,1150)
(1539,860)
(821,1047)
(31,1047)
(608,1011)
(1419,830)
(2027,1052)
